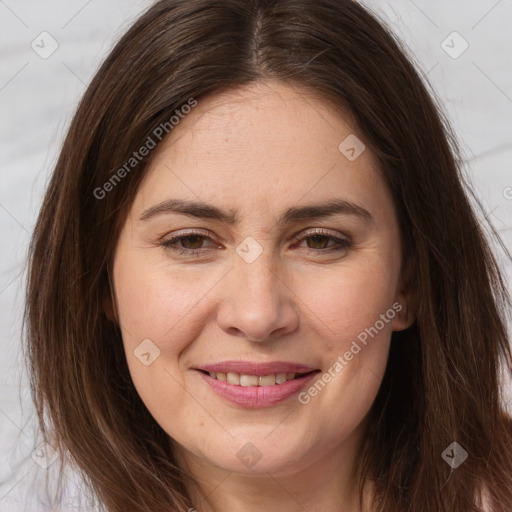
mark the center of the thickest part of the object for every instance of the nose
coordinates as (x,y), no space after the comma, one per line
(257,302)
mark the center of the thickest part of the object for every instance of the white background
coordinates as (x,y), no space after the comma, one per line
(38,97)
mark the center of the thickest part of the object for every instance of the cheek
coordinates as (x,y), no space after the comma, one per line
(346,302)
(353,312)
(150,313)
(163,304)
(153,315)
(155,302)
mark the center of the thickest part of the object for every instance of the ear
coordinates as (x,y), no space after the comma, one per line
(405,316)
(405,299)
(109,309)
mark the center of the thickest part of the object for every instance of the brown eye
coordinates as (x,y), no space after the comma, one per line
(190,244)
(192,241)
(318,241)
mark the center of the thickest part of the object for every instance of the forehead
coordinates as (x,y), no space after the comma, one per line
(265,115)
(260,146)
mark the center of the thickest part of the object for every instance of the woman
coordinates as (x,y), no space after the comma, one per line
(257,280)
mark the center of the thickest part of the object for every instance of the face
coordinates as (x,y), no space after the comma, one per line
(289,303)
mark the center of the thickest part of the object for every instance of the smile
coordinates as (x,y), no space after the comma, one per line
(259,387)
(255,380)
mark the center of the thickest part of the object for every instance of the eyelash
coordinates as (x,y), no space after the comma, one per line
(171,243)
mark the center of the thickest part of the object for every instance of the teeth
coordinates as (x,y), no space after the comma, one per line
(253,380)
(248,380)
(267,380)
(280,378)
(233,378)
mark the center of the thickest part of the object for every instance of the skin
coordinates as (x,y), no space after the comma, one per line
(261,149)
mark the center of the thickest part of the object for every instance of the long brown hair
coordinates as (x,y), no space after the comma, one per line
(442,381)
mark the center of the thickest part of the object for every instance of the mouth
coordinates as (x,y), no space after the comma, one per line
(248,380)
(256,385)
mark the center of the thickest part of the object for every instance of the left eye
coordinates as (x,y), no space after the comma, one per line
(185,243)
(191,244)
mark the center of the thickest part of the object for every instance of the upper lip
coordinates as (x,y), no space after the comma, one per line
(253,368)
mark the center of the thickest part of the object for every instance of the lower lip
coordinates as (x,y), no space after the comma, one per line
(257,396)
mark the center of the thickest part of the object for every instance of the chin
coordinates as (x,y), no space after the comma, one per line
(258,456)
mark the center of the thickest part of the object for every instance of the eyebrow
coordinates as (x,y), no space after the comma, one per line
(294,214)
